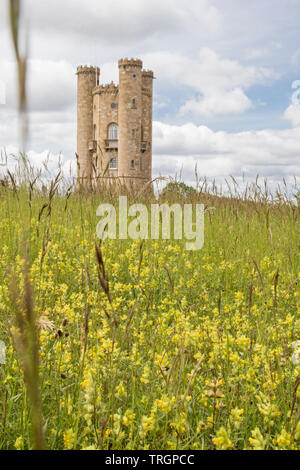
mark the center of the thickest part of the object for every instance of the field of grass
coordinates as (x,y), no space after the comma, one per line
(146,345)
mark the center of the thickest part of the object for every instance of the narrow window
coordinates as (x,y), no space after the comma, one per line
(113,132)
(133,104)
(133,133)
(132,164)
(95,131)
(113,164)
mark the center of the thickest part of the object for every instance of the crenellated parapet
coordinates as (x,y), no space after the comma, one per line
(130,63)
(147,74)
(110,88)
(88,69)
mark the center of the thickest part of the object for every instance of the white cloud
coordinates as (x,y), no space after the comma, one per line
(116,20)
(259,52)
(254,53)
(295,59)
(51,84)
(2,93)
(178,149)
(292,114)
(202,12)
(109,72)
(221,82)
(274,154)
(44,163)
(206,70)
(219,102)
(51,103)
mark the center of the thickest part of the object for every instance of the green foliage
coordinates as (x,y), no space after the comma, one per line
(171,349)
(178,190)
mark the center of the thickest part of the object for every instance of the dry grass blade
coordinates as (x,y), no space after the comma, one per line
(192,377)
(14,184)
(276,279)
(15,16)
(296,386)
(86,327)
(102,273)
(103,279)
(259,272)
(141,250)
(169,277)
(150,183)
(41,211)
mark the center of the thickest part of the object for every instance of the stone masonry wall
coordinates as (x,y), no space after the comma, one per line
(130,117)
(147,91)
(104,114)
(88,78)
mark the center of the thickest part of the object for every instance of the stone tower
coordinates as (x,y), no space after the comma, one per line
(88,78)
(114,136)
(147,91)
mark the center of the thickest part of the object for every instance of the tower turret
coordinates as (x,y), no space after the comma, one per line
(88,79)
(146,142)
(130,115)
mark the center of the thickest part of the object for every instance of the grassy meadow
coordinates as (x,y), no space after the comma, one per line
(142,344)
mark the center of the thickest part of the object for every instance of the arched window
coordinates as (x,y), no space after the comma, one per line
(132,164)
(113,164)
(113,132)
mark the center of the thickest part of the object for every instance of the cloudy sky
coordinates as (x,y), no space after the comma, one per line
(223,94)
